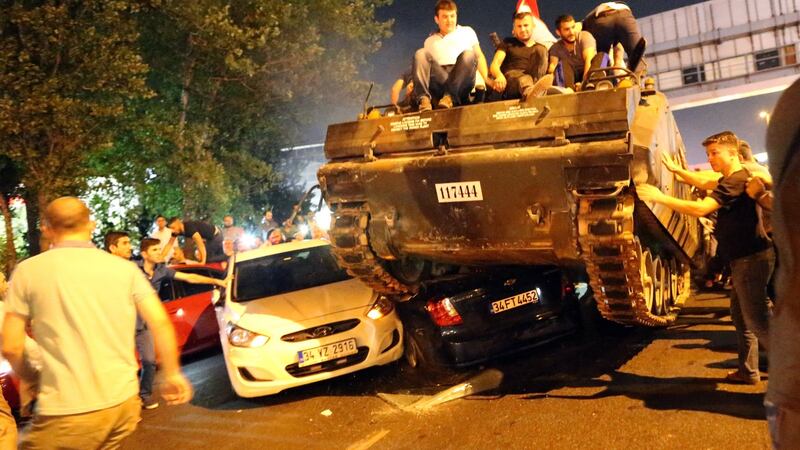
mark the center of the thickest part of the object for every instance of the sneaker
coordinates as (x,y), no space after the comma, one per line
(446,102)
(424,104)
(539,88)
(150,403)
(737,377)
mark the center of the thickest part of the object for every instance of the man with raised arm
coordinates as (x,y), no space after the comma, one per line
(741,242)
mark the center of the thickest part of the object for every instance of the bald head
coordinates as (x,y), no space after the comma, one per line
(67,215)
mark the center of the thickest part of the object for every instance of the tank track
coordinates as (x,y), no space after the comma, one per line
(631,285)
(351,246)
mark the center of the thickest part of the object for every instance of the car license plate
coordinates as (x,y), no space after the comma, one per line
(327,352)
(515,301)
(468,191)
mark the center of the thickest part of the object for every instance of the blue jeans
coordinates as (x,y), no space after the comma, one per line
(147,353)
(434,81)
(750,307)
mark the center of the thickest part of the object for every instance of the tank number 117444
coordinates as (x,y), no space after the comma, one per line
(467,191)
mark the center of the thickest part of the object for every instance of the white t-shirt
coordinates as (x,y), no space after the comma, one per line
(164,236)
(82,305)
(445,49)
(608,6)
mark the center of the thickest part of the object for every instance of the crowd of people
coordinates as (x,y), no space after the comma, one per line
(451,69)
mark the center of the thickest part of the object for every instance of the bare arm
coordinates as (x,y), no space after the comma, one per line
(14,346)
(696,208)
(588,56)
(201,247)
(194,278)
(165,251)
(551,69)
(757,190)
(704,179)
(482,66)
(499,79)
(397,88)
(179,390)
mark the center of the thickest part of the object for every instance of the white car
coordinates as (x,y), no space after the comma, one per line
(291,317)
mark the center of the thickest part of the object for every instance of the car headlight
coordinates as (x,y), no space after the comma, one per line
(239,337)
(382,307)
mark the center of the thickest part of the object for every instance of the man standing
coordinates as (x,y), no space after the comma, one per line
(445,67)
(612,23)
(164,234)
(576,50)
(118,243)
(783,392)
(81,304)
(519,66)
(741,242)
(231,233)
(207,238)
(267,224)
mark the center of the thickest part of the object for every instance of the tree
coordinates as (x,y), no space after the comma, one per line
(66,70)
(238,81)
(10,177)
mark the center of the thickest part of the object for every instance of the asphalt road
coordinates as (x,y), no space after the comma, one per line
(631,388)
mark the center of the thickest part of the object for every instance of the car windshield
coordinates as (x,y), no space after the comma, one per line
(285,272)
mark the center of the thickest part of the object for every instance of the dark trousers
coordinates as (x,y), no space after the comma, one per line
(520,80)
(215,249)
(612,28)
(147,353)
(574,75)
(434,81)
(750,307)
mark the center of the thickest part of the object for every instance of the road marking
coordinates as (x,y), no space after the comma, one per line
(369,441)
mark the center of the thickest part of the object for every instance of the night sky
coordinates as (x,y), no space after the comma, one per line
(414,22)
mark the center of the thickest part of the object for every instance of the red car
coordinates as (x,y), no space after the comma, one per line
(190,309)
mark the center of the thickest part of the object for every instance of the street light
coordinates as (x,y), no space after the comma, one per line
(764,115)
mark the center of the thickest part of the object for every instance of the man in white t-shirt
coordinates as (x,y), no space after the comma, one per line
(444,69)
(164,234)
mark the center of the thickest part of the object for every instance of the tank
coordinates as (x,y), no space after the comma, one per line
(547,182)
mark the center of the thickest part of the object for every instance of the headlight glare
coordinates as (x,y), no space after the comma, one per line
(381,308)
(240,337)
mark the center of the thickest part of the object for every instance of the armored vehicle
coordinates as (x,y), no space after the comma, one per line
(548,182)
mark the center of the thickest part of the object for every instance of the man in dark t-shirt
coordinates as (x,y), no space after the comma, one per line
(519,66)
(157,272)
(207,238)
(741,242)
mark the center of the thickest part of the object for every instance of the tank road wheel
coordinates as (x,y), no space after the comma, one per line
(674,290)
(350,244)
(409,270)
(658,287)
(648,280)
(664,281)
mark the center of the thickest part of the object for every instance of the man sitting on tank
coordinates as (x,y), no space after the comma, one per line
(519,66)
(445,68)
(576,50)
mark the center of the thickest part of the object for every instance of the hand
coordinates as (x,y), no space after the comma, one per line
(755,187)
(500,83)
(176,389)
(648,193)
(670,163)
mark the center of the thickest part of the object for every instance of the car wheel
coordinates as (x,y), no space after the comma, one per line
(424,362)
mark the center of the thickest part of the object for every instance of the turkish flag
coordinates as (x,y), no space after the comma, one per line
(528,6)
